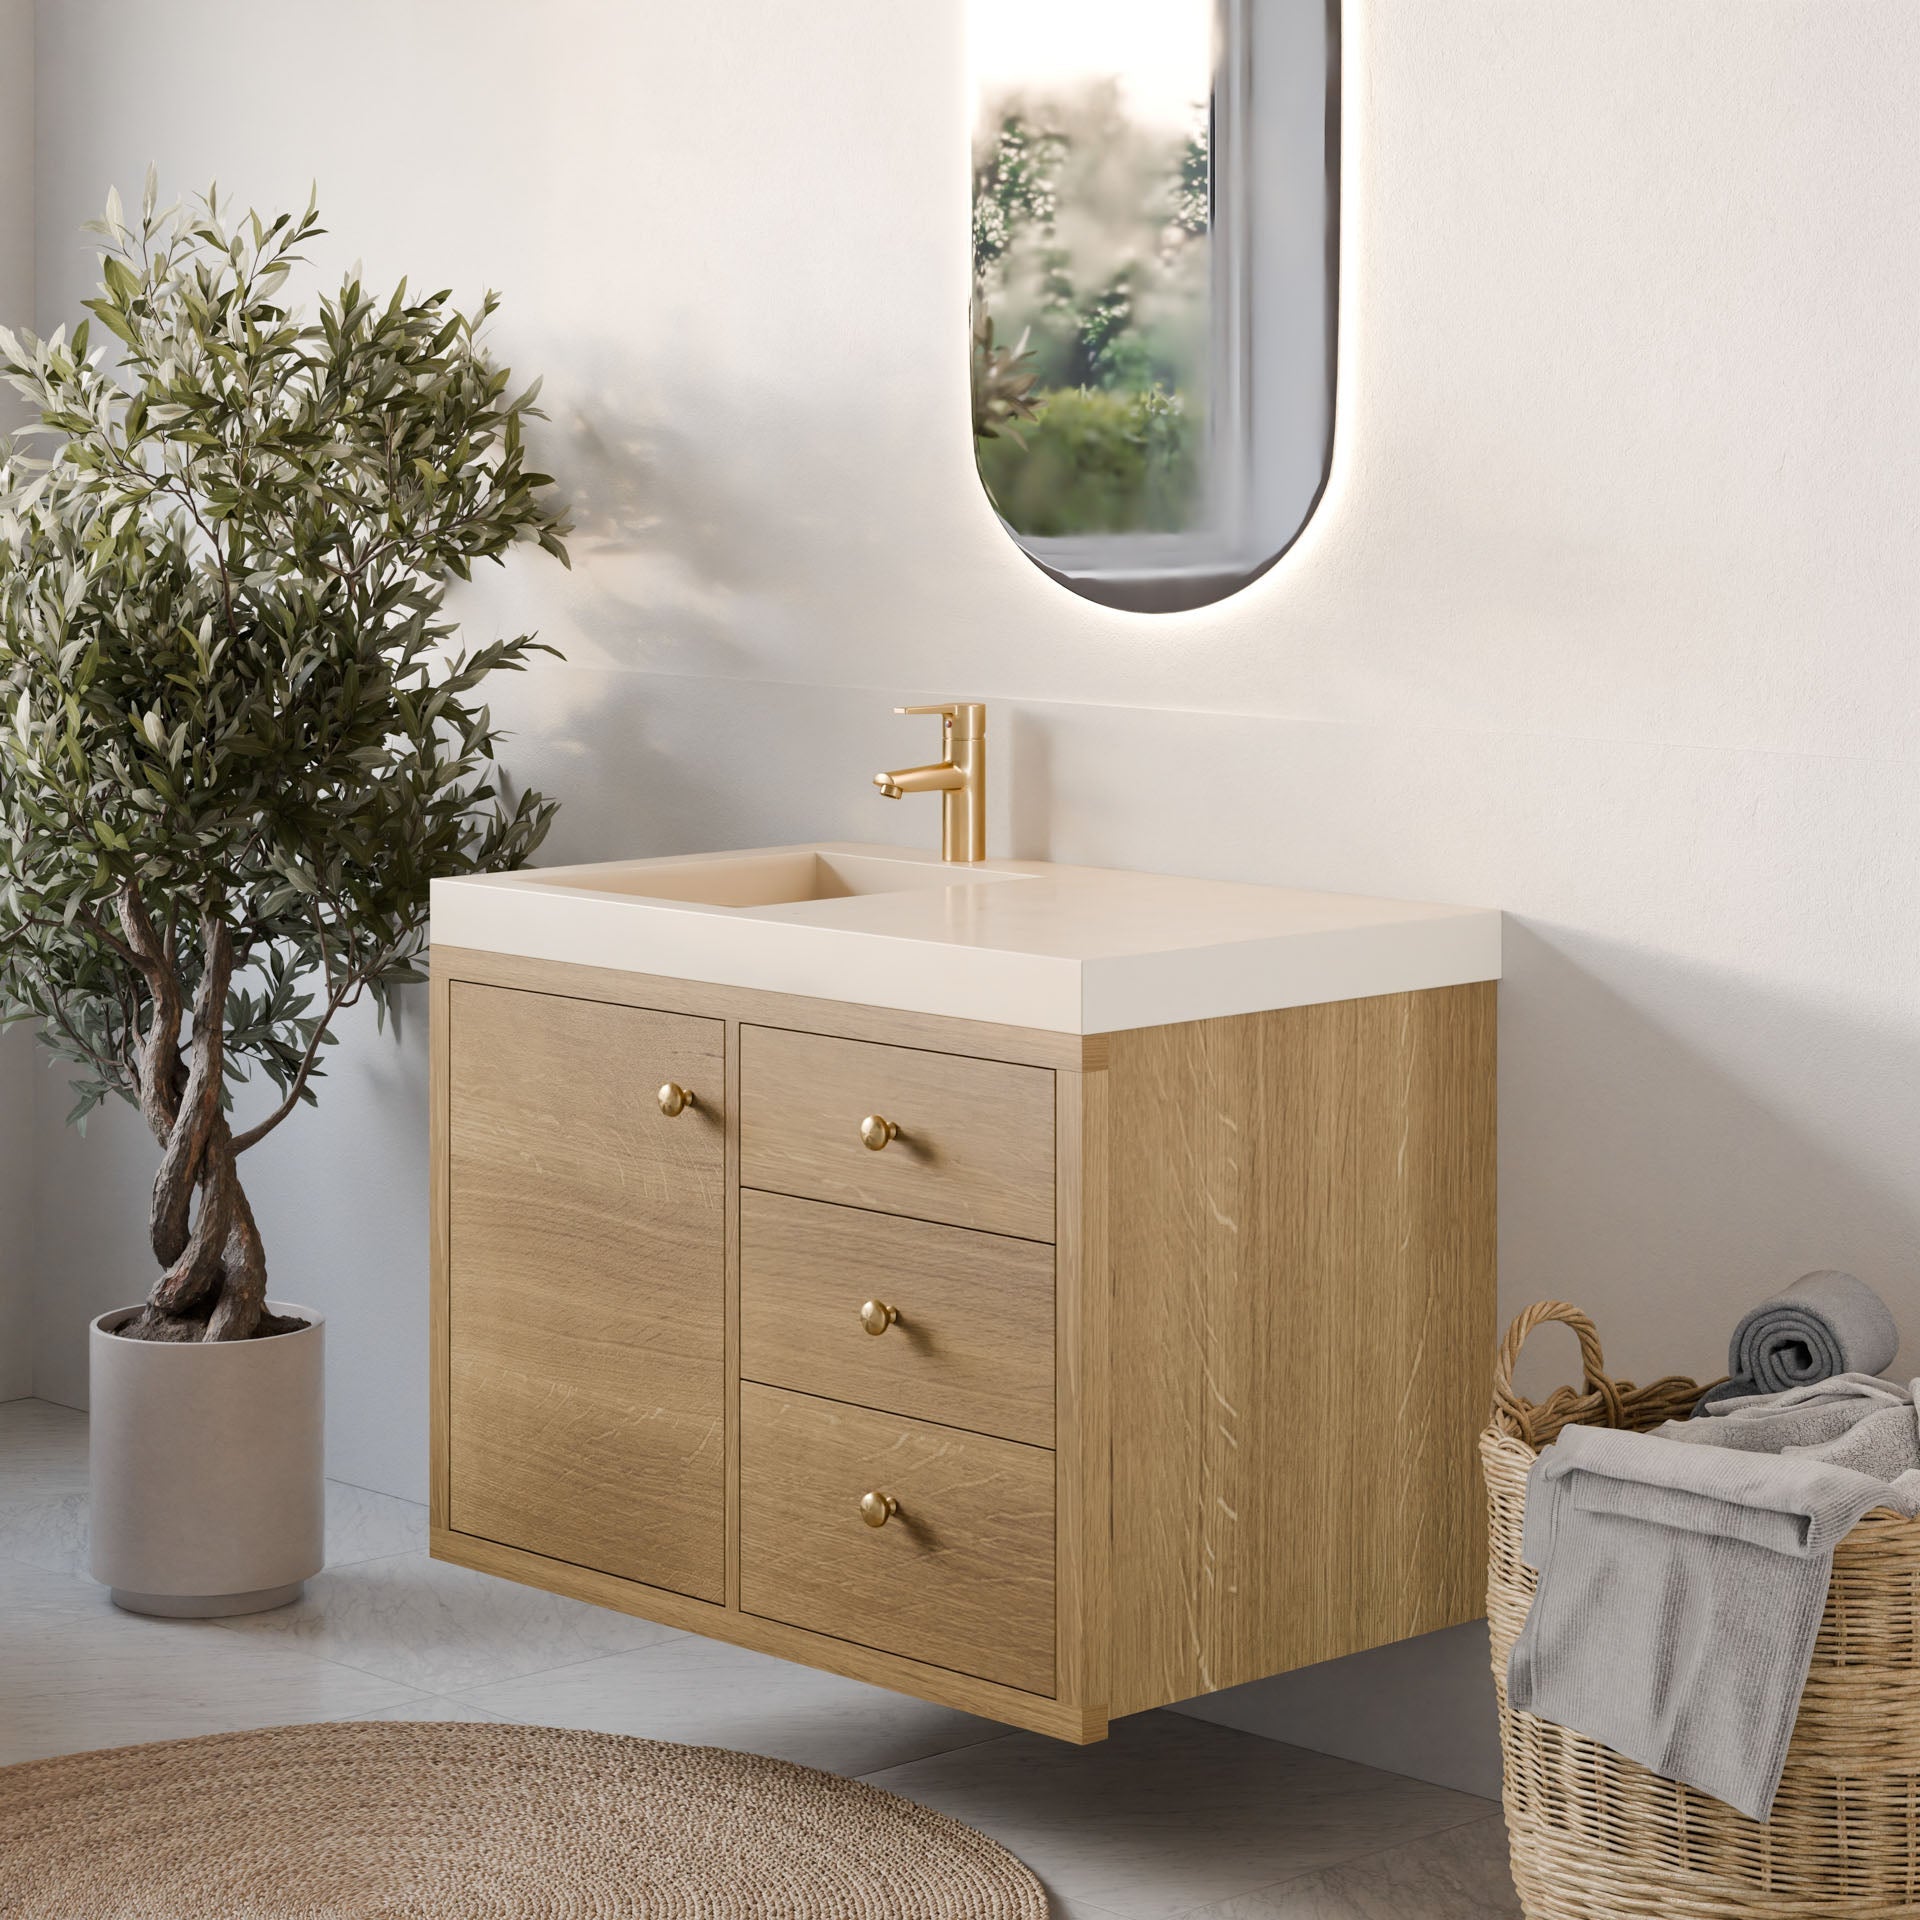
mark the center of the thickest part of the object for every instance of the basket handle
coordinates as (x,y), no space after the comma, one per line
(1593,1363)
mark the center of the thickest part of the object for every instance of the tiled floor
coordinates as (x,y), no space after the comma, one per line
(1170,1816)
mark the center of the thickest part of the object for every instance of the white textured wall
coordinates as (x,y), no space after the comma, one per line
(1607,618)
(16,309)
(16,171)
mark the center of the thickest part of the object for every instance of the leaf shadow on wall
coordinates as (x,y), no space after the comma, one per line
(709,511)
(1680,1141)
(696,563)
(663,582)
(658,558)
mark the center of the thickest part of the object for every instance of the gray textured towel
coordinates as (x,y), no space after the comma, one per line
(1852,1420)
(1824,1324)
(1680,1593)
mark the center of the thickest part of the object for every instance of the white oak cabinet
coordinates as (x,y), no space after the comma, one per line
(1182,1331)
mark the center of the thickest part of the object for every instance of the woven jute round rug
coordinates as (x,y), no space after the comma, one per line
(389,1821)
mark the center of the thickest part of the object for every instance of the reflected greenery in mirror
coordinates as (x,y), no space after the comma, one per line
(1090,229)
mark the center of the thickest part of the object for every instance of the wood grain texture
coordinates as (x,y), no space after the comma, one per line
(976,1136)
(962,1577)
(439,1244)
(1037,1713)
(973,1346)
(982,1039)
(1302,1246)
(1084,1413)
(587,1272)
(732,1377)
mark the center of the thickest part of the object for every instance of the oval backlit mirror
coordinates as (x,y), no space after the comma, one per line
(1154,231)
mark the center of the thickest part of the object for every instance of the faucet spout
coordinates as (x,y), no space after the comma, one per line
(943,778)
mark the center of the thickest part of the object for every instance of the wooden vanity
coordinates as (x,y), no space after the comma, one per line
(1189,1335)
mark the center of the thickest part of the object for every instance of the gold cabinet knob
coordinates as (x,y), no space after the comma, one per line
(876,1316)
(876,1509)
(876,1131)
(675,1100)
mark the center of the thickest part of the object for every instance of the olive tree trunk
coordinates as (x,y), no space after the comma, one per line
(213,1283)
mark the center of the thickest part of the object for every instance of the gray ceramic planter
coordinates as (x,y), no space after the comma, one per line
(207,1468)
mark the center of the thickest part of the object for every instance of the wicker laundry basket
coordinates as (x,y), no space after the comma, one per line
(1595,1837)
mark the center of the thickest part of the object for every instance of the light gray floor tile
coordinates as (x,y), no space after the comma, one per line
(441,1628)
(51,1530)
(43,1487)
(27,1592)
(706,1694)
(1460,1874)
(431,1706)
(43,1450)
(48,1531)
(87,1675)
(364,1525)
(1169,1813)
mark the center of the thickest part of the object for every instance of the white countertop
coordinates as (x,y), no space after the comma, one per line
(1020,942)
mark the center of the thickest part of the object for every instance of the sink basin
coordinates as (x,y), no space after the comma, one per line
(766,879)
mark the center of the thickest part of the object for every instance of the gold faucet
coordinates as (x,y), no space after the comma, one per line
(959,778)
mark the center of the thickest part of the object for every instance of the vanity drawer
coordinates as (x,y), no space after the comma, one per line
(960,1576)
(975,1137)
(973,1343)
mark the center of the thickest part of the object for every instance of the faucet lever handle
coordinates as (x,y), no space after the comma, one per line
(961,719)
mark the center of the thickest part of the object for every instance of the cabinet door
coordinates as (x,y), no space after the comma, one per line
(586,1309)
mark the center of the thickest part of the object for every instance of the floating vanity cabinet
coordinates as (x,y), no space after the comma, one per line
(1052,1375)
(1049,1292)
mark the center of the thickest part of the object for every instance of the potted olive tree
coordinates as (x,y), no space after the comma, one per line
(235,745)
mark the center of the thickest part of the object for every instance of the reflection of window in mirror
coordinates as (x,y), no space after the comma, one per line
(1153,261)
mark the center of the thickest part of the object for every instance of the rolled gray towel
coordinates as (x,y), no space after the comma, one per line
(1824,1324)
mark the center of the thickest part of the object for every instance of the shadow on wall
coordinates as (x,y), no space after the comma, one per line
(647,764)
(681,568)
(684,580)
(1678,1142)
(1423,1707)
(695,560)
(657,550)
(695,552)
(682,541)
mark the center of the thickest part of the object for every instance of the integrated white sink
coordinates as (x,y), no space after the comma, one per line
(1067,949)
(785,877)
